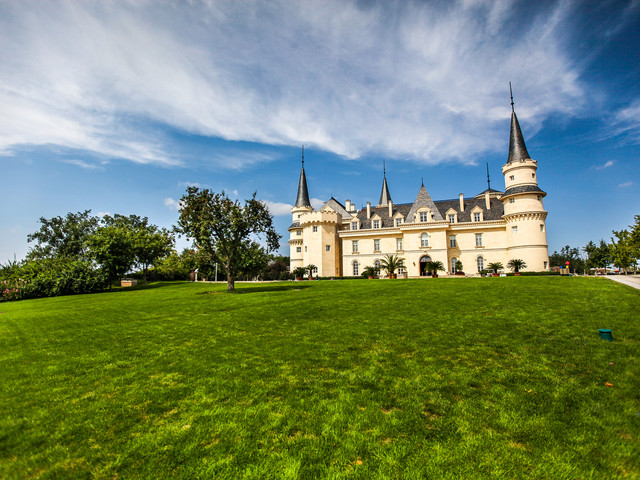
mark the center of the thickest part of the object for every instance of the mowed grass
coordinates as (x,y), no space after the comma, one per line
(436,378)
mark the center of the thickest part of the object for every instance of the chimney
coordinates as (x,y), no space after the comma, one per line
(390,209)
(461,203)
(347,205)
(487,200)
(368,210)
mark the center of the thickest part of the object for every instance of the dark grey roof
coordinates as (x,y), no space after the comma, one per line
(385,196)
(524,189)
(303,193)
(383,213)
(294,225)
(492,191)
(517,148)
(494,213)
(423,199)
(336,206)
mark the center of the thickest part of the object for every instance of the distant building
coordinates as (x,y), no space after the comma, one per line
(492,226)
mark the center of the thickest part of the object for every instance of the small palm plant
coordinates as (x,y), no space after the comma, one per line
(516,264)
(310,268)
(299,272)
(433,267)
(495,266)
(390,264)
(369,272)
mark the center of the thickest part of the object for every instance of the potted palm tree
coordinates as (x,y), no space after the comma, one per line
(310,268)
(433,267)
(369,272)
(299,272)
(390,264)
(459,268)
(516,264)
(495,266)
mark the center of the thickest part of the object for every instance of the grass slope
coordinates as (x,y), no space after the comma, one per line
(447,378)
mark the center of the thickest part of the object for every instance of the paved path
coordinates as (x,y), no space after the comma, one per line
(631,280)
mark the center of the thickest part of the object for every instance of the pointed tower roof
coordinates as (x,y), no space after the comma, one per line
(303,193)
(423,199)
(517,148)
(385,196)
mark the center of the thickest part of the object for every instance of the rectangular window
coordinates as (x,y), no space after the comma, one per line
(315,228)
(512,177)
(423,216)
(298,232)
(452,219)
(328,248)
(398,222)
(514,230)
(355,269)
(546,265)
(376,245)
(512,200)
(424,240)
(298,249)
(476,217)
(305,248)
(542,227)
(354,246)
(401,268)
(452,241)
(398,244)
(478,239)
(315,271)
(376,224)
(354,226)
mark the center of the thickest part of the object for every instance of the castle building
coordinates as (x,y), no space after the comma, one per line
(492,226)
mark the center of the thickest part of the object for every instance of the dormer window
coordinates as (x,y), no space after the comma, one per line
(354,225)
(452,219)
(424,216)
(376,224)
(476,217)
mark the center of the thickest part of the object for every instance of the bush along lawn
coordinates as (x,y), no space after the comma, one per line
(476,378)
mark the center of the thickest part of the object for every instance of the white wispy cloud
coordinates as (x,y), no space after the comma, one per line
(278,208)
(422,81)
(82,164)
(625,184)
(607,164)
(626,122)
(172,203)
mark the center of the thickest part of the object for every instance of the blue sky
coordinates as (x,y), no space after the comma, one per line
(118,106)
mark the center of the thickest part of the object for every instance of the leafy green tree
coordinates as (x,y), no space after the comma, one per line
(433,267)
(621,250)
(458,266)
(391,263)
(150,243)
(598,256)
(254,259)
(568,254)
(63,237)
(516,264)
(112,247)
(223,229)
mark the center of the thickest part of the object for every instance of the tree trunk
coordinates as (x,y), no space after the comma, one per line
(230,285)
(144,274)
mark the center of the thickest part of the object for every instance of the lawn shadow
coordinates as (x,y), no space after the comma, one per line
(270,288)
(142,286)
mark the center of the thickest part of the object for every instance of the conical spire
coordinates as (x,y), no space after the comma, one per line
(303,193)
(385,196)
(517,148)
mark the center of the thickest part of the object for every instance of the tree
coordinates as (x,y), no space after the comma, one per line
(567,254)
(458,266)
(149,243)
(516,264)
(112,247)
(598,256)
(391,263)
(63,237)
(369,272)
(222,229)
(621,250)
(433,267)
(495,266)
(310,268)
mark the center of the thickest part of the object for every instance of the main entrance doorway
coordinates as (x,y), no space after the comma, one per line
(423,265)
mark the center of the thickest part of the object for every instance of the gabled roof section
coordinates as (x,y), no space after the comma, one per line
(423,199)
(385,196)
(303,194)
(492,192)
(337,207)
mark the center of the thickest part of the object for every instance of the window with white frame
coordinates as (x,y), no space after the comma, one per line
(355,269)
(454,260)
(377,264)
(376,224)
(354,246)
(452,218)
(476,217)
(478,239)
(401,267)
(452,241)
(424,240)
(398,222)
(512,200)
(299,249)
(315,271)
(398,244)
(514,229)
(328,248)
(315,228)
(480,264)
(376,245)
(298,232)
(424,216)
(354,226)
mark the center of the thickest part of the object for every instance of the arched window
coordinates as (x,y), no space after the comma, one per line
(377,264)
(480,264)
(423,263)
(355,269)
(401,267)
(424,240)
(453,264)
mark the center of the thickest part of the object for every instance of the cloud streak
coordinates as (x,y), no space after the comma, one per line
(417,80)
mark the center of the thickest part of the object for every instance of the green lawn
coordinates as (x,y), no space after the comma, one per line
(437,378)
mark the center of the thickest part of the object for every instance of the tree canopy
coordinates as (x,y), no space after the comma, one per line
(226,231)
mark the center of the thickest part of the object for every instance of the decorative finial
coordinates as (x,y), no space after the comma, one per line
(488,179)
(422,181)
(384,169)
(303,156)
(511,92)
